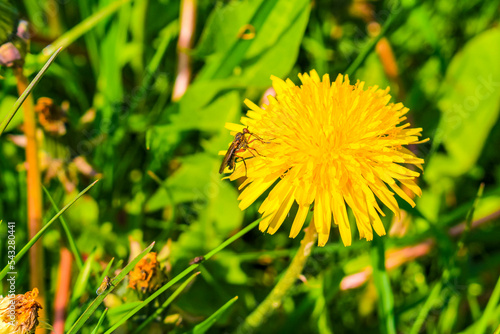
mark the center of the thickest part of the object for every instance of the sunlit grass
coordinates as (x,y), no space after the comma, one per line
(435,271)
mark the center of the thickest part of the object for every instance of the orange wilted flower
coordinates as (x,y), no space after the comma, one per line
(19,313)
(147,275)
(51,116)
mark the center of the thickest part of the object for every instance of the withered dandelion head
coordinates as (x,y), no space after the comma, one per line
(330,145)
(19,314)
(51,116)
(147,275)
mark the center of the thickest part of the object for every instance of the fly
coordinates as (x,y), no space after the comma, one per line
(239,144)
(106,282)
(197,260)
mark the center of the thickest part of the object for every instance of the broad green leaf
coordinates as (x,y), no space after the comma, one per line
(224,210)
(201,93)
(82,279)
(469,105)
(211,118)
(278,52)
(198,172)
(273,51)
(188,183)
(278,25)
(223,24)
(195,111)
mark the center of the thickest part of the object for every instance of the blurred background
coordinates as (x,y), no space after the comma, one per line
(139,98)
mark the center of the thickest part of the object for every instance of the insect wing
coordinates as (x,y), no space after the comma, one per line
(228,156)
(104,285)
(101,288)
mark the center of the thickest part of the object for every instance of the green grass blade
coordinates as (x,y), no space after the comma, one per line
(101,319)
(71,240)
(383,286)
(470,215)
(488,313)
(43,230)
(81,28)
(83,279)
(165,304)
(28,90)
(424,311)
(182,275)
(167,35)
(472,329)
(205,325)
(115,281)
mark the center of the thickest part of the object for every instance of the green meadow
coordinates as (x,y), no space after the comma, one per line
(116,117)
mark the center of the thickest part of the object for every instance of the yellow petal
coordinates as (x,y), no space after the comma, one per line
(280,216)
(252,192)
(298,222)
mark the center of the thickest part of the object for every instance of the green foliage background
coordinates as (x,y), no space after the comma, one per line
(124,69)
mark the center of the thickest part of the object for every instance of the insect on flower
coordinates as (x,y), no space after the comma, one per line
(239,145)
(338,145)
(106,282)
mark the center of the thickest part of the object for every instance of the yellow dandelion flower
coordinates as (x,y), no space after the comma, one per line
(19,313)
(331,144)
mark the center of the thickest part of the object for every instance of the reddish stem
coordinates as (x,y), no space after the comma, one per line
(185,43)
(62,294)
(34,190)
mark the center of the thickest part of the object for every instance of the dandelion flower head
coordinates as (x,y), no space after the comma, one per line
(330,145)
(19,313)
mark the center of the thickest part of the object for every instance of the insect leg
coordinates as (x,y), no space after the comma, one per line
(247,143)
(251,148)
(244,163)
